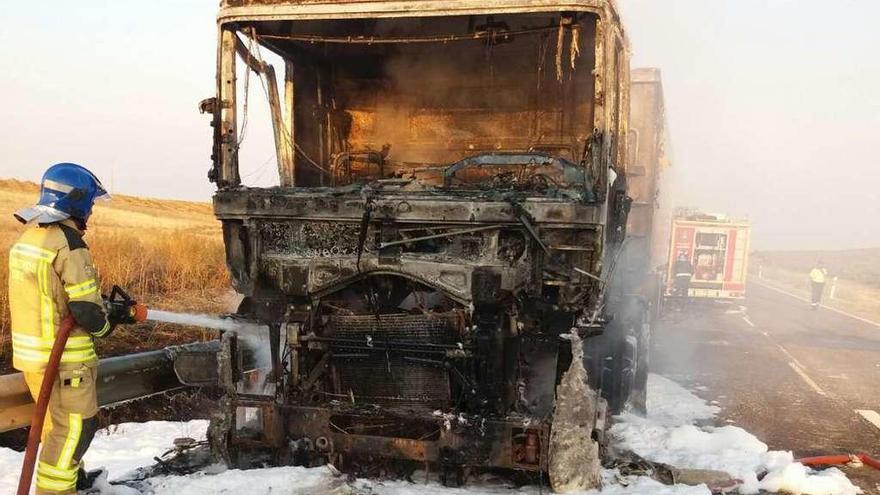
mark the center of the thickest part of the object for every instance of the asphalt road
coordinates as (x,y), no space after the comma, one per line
(794,377)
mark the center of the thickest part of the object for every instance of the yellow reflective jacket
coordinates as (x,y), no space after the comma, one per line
(51,274)
(817,275)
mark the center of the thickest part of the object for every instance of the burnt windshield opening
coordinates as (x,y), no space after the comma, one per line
(507,101)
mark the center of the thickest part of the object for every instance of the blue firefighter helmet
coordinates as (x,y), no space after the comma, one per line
(67,190)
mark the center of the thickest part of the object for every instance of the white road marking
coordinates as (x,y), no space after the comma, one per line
(806,378)
(798,368)
(870,416)
(839,311)
(789,356)
(793,362)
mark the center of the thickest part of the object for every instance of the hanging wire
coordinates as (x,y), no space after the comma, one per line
(285,132)
(247,81)
(260,168)
(373,40)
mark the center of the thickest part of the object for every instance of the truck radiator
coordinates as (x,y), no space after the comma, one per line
(384,360)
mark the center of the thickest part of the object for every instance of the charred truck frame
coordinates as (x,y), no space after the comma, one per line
(440,249)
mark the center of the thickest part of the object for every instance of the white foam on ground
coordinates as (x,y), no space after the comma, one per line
(121,448)
(667,435)
(303,481)
(671,404)
(125,447)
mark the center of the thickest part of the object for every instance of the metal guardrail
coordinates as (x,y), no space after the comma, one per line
(120,379)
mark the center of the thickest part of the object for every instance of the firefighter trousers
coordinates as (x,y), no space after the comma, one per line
(817,290)
(69,427)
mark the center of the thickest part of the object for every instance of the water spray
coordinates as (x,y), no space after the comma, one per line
(253,336)
(204,321)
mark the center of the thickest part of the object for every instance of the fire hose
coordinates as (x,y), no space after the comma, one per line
(124,310)
(33,441)
(834,460)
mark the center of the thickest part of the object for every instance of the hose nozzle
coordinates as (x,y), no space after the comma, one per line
(139,312)
(123,309)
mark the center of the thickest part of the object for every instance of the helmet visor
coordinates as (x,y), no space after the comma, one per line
(101,193)
(40,214)
(103,196)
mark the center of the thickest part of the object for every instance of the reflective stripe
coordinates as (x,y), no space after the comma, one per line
(47,306)
(103,331)
(62,476)
(73,288)
(74,430)
(57,186)
(79,349)
(67,348)
(56,472)
(70,351)
(84,291)
(83,356)
(55,485)
(40,343)
(34,252)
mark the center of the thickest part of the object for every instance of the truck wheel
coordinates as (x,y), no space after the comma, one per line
(639,397)
(451,476)
(629,367)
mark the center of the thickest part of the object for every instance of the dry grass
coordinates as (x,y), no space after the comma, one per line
(167,254)
(161,263)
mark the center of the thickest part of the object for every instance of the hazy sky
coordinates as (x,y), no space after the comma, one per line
(773,104)
(774,109)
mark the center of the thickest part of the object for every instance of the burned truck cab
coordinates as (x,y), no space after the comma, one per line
(448,208)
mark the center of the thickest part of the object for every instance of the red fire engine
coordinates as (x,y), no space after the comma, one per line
(708,257)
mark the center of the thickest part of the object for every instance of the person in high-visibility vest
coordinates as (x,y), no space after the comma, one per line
(817,284)
(51,276)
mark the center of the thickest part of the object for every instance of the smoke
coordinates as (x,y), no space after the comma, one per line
(440,102)
(770,120)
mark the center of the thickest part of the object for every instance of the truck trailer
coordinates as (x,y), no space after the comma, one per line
(648,185)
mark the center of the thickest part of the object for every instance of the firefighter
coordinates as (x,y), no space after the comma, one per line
(817,283)
(51,276)
(684,272)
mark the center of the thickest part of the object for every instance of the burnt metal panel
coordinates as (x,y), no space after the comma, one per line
(445,438)
(268,10)
(647,142)
(330,206)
